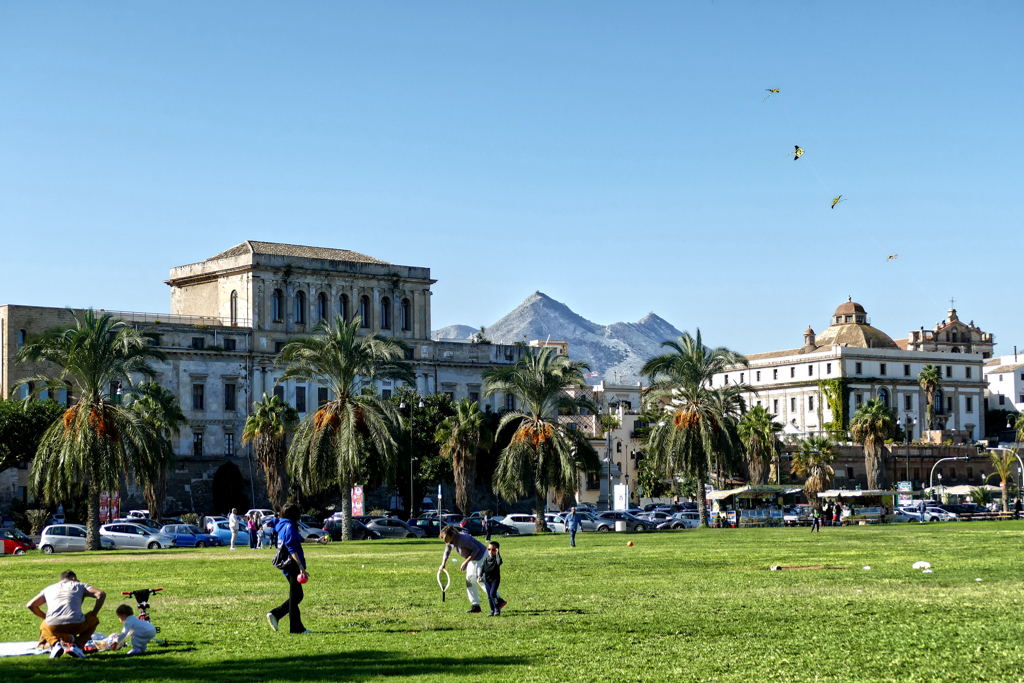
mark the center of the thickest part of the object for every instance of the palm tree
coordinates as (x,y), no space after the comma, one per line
(330,445)
(461,437)
(542,452)
(97,441)
(682,444)
(930,379)
(727,452)
(268,423)
(159,406)
(1003,461)
(760,434)
(872,424)
(814,461)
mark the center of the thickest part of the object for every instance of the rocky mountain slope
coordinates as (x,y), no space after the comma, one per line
(615,352)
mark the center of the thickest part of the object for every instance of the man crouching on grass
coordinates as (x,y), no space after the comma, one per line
(473,551)
(65,629)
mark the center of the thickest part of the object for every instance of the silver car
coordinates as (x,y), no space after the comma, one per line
(126,535)
(68,538)
(394,528)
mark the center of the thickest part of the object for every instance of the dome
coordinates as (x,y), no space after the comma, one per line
(849,308)
(857,335)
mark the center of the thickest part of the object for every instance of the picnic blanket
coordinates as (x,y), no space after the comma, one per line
(28,647)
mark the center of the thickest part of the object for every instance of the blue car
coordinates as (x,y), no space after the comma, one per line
(189,536)
(222,532)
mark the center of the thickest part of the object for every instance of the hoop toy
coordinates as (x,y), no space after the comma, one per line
(444,586)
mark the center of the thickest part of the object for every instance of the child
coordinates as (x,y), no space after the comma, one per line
(490,576)
(141,631)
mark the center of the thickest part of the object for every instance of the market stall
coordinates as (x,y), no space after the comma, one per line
(871,506)
(750,506)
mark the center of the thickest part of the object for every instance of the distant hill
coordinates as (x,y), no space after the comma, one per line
(615,351)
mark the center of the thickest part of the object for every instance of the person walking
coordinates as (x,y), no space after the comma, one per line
(490,576)
(816,521)
(291,543)
(233,526)
(487,524)
(273,530)
(250,526)
(65,629)
(473,552)
(572,524)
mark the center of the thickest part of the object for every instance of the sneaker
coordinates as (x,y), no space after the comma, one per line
(491,614)
(135,653)
(498,613)
(501,605)
(57,650)
(307,632)
(475,609)
(273,620)
(75,651)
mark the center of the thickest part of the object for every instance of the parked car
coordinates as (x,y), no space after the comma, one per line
(390,527)
(223,532)
(431,527)
(67,538)
(14,542)
(141,521)
(632,523)
(589,522)
(916,514)
(554,522)
(687,519)
(359,530)
(798,515)
(209,522)
(311,534)
(475,527)
(942,515)
(125,535)
(524,523)
(189,536)
(312,521)
(656,517)
(262,512)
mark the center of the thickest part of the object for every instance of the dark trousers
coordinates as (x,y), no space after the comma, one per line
(252,538)
(492,594)
(290,607)
(487,530)
(816,524)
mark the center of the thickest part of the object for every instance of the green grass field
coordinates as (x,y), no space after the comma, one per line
(681,606)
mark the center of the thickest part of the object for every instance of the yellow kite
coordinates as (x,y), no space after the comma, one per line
(799,153)
(770,91)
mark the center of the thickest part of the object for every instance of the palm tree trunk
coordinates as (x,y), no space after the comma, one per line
(540,500)
(92,539)
(346,512)
(702,501)
(874,463)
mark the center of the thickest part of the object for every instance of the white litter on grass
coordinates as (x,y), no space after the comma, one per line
(922,565)
(364,566)
(927,571)
(977,579)
(860,591)
(866,568)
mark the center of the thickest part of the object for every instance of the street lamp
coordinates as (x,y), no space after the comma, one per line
(608,464)
(412,481)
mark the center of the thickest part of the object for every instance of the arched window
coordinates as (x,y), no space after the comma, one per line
(234,308)
(884,395)
(939,407)
(385,313)
(364,311)
(406,313)
(26,390)
(300,308)
(343,307)
(954,335)
(321,307)
(275,305)
(22,336)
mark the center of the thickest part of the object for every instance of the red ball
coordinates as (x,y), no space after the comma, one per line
(303,577)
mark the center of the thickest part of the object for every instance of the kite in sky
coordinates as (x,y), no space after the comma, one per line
(837,200)
(770,91)
(893,257)
(799,153)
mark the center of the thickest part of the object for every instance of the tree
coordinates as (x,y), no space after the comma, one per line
(1003,462)
(760,435)
(22,424)
(159,406)
(871,425)
(97,441)
(461,438)
(691,430)
(930,379)
(265,428)
(814,462)
(330,445)
(541,449)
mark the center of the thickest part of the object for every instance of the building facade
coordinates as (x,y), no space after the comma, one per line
(1005,378)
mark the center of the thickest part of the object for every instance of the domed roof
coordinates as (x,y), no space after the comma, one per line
(857,335)
(849,308)
(808,330)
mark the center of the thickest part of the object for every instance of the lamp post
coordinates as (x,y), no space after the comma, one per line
(940,487)
(412,481)
(608,464)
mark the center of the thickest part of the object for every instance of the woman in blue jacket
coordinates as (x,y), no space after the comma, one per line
(288,534)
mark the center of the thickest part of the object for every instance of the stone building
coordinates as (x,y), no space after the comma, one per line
(230,316)
(951,335)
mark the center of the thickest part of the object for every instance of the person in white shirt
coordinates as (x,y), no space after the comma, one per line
(141,632)
(233,525)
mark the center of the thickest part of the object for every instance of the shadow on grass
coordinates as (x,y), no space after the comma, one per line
(357,665)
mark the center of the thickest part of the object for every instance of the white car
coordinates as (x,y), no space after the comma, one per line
(942,515)
(136,536)
(685,520)
(525,524)
(261,512)
(68,538)
(915,515)
(554,522)
(311,534)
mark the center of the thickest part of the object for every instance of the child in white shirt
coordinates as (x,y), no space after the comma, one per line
(141,631)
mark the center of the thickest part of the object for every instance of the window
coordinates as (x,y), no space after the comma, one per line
(474,397)
(1022,376)
(278,346)
(198,342)
(775,406)
(364,311)
(197,444)
(510,402)
(970,403)
(234,308)
(230,345)
(279,392)
(321,397)
(758,375)
(858,368)
(22,336)
(792,404)
(725,380)
(775,374)
(1021,398)
(810,370)
(858,399)
(906,369)
(828,368)
(1002,400)
(908,402)
(883,395)
(970,473)
(275,306)
(385,394)
(741,378)
(229,444)
(949,371)
(230,397)
(406,313)
(810,403)
(792,372)
(385,313)
(300,399)
(321,307)
(860,319)
(450,395)
(758,404)
(967,373)
(851,473)
(952,474)
(949,403)
(343,307)
(881,368)
(198,397)
(593,481)
(300,308)
(618,446)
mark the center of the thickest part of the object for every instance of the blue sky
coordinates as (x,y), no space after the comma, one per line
(617,157)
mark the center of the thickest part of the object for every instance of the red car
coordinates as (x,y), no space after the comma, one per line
(13,542)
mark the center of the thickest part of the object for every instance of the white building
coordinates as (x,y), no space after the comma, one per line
(1005,377)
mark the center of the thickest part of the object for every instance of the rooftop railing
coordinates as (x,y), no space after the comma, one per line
(175,319)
